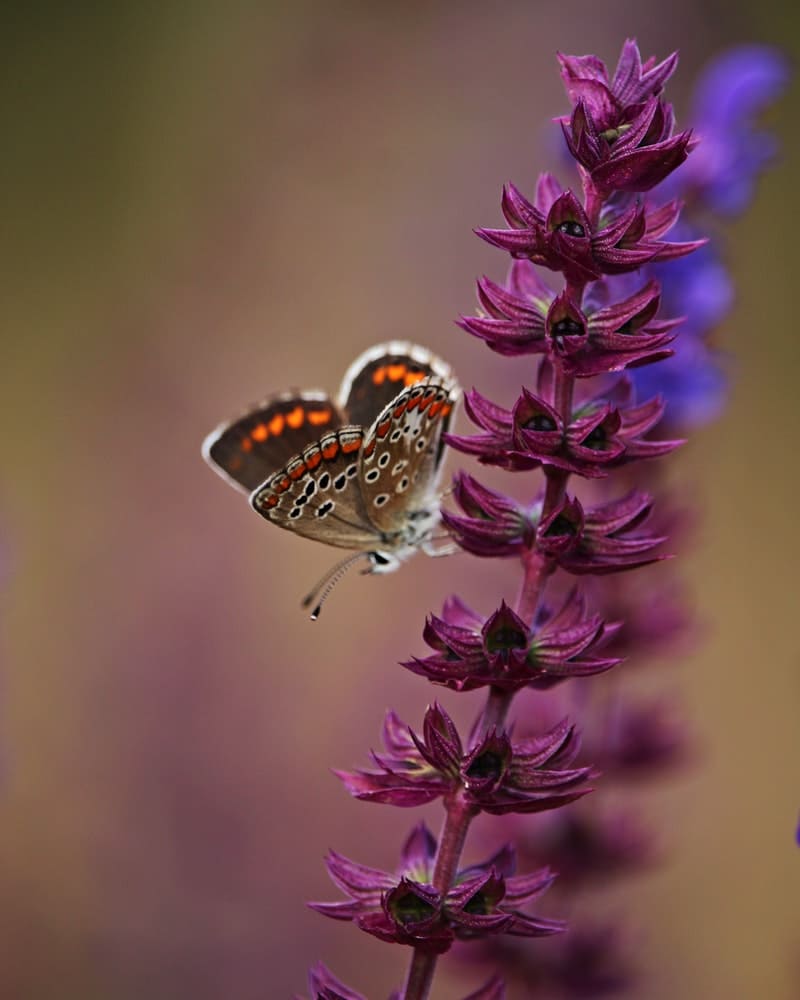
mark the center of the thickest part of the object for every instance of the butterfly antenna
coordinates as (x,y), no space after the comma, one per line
(324,586)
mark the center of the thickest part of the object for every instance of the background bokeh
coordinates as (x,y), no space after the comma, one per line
(205,202)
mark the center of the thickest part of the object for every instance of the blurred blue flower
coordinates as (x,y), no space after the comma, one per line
(720,178)
(734,89)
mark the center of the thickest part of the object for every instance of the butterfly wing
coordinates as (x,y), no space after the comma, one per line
(309,464)
(380,374)
(317,495)
(248,450)
(402,453)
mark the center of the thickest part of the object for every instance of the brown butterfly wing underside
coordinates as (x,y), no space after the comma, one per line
(316,494)
(402,454)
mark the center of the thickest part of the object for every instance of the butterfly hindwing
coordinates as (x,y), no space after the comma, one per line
(248,450)
(316,494)
(402,453)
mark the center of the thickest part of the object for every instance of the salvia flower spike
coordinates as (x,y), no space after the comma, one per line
(598,326)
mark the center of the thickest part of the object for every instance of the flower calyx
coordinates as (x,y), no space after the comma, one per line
(496,775)
(504,652)
(405,908)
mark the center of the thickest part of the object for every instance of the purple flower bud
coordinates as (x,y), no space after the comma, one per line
(599,436)
(601,339)
(406,908)
(633,155)
(493,525)
(495,776)
(506,653)
(634,83)
(602,539)
(565,241)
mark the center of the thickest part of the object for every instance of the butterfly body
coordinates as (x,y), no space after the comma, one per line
(358,473)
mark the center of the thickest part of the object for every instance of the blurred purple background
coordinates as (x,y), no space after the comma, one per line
(205,203)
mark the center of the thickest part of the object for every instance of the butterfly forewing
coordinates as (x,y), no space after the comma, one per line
(248,450)
(402,453)
(380,374)
(316,493)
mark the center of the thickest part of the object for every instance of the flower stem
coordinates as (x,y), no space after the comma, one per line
(495,710)
(593,203)
(562,401)
(536,569)
(420,976)
(451,843)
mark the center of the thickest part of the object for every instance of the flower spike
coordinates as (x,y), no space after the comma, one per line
(630,309)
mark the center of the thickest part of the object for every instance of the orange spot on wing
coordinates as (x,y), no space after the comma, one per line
(434,409)
(259,432)
(379,375)
(370,448)
(425,402)
(396,372)
(412,377)
(297,470)
(276,424)
(400,409)
(296,417)
(446,410)
(348,446)
(313,460)
(317,417)
(383,429)
(246,444)
(330,451)
(283,485)
(271,502)
(234,464)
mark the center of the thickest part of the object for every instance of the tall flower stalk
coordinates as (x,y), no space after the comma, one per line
(581,426)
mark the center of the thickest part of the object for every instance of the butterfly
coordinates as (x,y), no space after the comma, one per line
(360,472)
